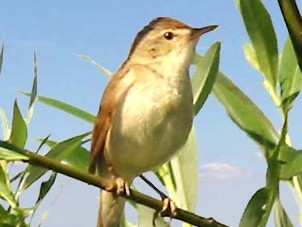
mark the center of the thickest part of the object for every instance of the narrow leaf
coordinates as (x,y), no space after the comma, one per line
(251,56)
(75,111)
(43,141)
(5,128)
(107,72)
(185,171)
(18,135)
(281,217)
(10,155)
(290,75)
(256,209)
(260,29)
(44,189)
(291,160)
(65,107)
(167,178)
(5,188)
(9,218)
(146,215)
(126,223)
(34,90)
(12,148)
(1,56)
(205,75)
(46,186)
(69,152)
(243,111)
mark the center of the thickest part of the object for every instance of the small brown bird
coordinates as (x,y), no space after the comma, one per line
(146,110)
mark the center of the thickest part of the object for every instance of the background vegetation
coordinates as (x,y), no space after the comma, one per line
(282,80)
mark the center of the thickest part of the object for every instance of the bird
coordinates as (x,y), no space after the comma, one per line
(146,110)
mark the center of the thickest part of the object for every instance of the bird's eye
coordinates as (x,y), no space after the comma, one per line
(168,35)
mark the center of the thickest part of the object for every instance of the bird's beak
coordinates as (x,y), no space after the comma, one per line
(197,32)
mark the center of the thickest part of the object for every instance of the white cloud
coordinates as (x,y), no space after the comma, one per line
(221,171)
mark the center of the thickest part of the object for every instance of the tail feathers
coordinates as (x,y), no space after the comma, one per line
(110,210)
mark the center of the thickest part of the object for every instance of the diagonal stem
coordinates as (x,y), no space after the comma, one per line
(86,177)
(293,22)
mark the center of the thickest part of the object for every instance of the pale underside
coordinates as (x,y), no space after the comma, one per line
(155,117)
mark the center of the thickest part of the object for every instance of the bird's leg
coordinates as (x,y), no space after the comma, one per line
(119,186)
(161,194)
(169,207)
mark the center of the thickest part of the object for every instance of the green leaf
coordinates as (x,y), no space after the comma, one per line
(145,217)
(46,186)
(185,172)
(205,75)
(10,155)
(43,142)
(107,72)
(34,90)
(291,160)
(251,56)
(69,152)
(126,223)
(243,111)
(290,75)
(9,151)
(18,135)
(260,29)
(5,128)
(281,217)
(65,107)
(1,56)
(256,211)
(166,177)
(5,187)
(10,218)
(44,189)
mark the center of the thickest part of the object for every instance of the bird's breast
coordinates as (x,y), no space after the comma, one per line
(151,125)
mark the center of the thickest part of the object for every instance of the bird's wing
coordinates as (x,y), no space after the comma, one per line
(113,94)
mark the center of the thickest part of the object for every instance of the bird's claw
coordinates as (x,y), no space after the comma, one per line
(122,187)
(119,186)
(169,208)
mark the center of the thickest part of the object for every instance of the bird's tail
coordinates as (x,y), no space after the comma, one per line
(110,210)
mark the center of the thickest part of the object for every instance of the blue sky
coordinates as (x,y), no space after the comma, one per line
(231,166)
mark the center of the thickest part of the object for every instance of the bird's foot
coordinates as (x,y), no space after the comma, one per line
(119,186)
(122,187)
(169,208)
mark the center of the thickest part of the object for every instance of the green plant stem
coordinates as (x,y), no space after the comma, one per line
(293,22)
(46,162)
(273,171)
